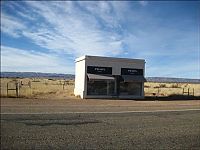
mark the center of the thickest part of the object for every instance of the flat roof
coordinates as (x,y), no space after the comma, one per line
(103,58)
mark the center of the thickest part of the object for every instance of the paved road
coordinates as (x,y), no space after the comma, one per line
(150,130)
(65,124)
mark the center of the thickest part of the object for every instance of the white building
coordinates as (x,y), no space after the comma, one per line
(108,77)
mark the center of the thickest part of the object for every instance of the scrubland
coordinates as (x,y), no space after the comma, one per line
(37,88)
(168,89)
(63,89)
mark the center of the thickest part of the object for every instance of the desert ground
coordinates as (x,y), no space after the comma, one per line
(46,115)
(22,105)
(37,88)
(63,89)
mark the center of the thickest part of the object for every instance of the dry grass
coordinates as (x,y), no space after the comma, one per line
(62,89)
(39,88)
(167,89)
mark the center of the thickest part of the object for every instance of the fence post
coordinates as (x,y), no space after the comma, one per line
(188,91)
(7,89)
(193,92)
(17,89)
(29,84)
(158,91)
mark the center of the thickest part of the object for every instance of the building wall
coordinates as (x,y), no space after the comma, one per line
(79,78)
(115,63)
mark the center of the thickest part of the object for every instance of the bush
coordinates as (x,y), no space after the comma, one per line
(174,86)
(147,86)
(163,86)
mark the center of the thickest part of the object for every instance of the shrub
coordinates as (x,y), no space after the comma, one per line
(163,86)
(147,86)
(174,86)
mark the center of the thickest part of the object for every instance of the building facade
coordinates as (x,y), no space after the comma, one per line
(108,77)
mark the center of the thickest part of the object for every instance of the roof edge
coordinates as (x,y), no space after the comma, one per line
(104,57)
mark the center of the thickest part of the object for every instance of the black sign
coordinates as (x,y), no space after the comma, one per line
(131,71)
(99,70)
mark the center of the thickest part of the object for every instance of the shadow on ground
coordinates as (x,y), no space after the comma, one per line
(172,97)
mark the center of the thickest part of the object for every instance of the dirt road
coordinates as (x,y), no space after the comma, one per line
(13,105)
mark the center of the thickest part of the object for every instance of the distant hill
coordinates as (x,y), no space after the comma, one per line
(71,76)
(174,80)
(35,75)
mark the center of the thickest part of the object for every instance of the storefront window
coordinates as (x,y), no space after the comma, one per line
(104,87)
(130,88)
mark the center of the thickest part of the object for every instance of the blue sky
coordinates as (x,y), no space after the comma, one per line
(48,36)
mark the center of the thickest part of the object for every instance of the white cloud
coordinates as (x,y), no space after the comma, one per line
(143,3)
(14,59)
(69,29)
(11,25)
(26,16)
(104,11)
(111,28)
(79,34)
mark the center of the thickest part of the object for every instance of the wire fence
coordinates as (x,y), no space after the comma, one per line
(167,89)
(50,87)
(28,88)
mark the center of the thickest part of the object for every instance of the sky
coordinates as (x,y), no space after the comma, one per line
(39,36)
